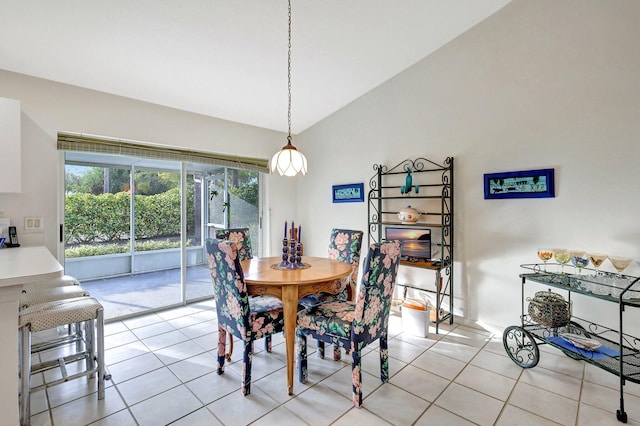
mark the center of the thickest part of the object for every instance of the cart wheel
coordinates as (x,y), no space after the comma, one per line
(521,346)
(571,328)
(622,416)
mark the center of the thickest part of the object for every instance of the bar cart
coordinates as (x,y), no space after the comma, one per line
(579,338)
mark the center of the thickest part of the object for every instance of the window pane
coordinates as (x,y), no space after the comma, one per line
(217,213)
(157,216)
(97,221)
(198,282)
(194,208)
(244,209)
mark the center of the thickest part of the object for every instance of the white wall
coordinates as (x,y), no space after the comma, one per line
(540,84)
(49,107)
(10,143)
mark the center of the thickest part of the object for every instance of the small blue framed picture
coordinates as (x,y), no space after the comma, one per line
(523,184)
(350,193)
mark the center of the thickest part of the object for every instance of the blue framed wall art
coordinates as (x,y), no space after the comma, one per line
(350,193)
(522,184)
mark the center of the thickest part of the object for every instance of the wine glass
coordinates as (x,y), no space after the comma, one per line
(563,257)
(596,260)
(598,283)
(579,259)
(620,262)
(545,255)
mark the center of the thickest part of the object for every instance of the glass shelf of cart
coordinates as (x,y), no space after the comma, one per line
(603,285)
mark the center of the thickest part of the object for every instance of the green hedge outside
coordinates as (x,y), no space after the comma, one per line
(105,218)
(102,249)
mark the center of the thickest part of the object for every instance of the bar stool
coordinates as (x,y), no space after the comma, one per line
(52,314)
(50,294)
(62,281)
(65,287)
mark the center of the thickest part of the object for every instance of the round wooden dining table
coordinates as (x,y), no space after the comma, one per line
(320,274)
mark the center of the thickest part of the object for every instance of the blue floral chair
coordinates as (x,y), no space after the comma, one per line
(354,325)
(344,245)
(241,237)
(246,318)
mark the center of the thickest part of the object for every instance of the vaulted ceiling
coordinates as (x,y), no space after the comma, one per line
(228,58)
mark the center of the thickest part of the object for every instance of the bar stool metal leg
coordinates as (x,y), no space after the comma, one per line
(102,373)
(25,375)
(90,343)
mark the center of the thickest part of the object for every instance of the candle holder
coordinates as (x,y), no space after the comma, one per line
(299,255)
(292,264)
(291,255)
(285,253)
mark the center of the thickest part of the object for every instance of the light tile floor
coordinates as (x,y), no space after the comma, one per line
(163,372)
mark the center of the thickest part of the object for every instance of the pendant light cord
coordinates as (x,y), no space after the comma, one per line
(289,76)
(289,161)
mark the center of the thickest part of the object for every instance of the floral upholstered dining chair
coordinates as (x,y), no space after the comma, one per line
(246,318)
(240,236)
(354,326)
(344,245)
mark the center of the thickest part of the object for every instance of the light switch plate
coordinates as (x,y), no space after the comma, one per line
(33,223)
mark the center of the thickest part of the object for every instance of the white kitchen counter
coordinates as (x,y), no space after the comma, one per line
(18,265)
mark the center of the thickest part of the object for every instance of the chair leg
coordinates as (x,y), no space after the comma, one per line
(337,354)
(320,349)
(89,344)
(246,367)
(222,346)
(302,358)
(78,331)
(99,345)
(384,358)
(228,355)
(267,343)
(351,294)
(25,375)
(356,377)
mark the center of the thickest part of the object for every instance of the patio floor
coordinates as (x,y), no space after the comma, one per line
(132,294)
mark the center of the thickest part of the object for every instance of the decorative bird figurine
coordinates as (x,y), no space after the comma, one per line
(408,184)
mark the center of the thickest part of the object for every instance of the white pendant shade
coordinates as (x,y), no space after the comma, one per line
(289,162)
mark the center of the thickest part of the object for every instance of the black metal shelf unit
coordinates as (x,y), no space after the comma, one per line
(616,352)
(428,187)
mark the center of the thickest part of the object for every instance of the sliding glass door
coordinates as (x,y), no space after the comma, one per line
(134,228)
(157,241)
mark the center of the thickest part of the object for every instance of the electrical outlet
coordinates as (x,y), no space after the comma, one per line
(33,223)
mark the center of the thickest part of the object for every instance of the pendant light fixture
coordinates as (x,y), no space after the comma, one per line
(289,161)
